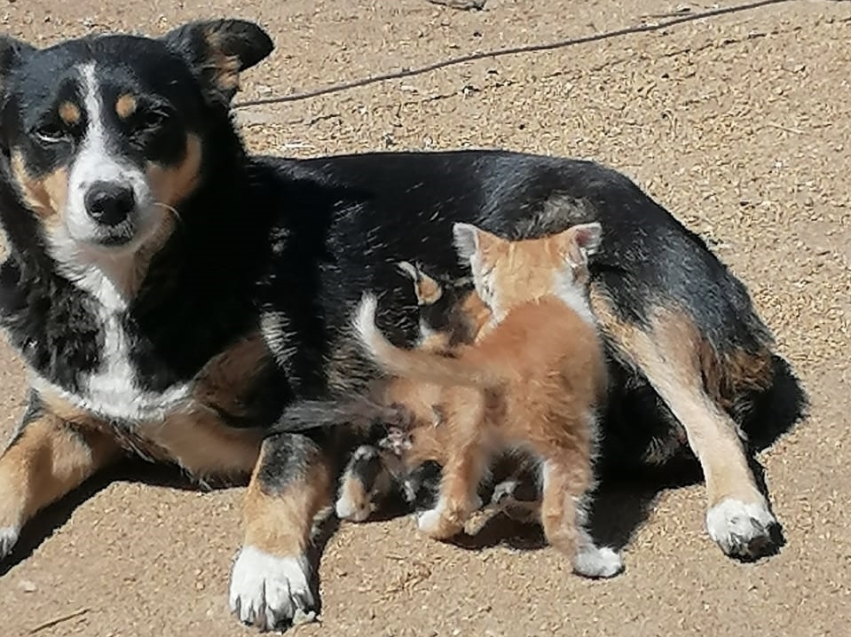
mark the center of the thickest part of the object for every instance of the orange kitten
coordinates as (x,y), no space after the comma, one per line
(534,380)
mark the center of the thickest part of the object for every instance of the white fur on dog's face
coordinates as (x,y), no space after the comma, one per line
(95,162)
(101,259)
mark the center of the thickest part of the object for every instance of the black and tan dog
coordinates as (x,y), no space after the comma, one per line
(171,295)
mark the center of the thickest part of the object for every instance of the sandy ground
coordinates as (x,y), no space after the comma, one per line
(739,123)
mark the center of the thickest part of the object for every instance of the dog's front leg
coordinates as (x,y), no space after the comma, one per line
(47,457)
(272,583)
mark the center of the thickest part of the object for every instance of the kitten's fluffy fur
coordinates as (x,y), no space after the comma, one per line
(534,380)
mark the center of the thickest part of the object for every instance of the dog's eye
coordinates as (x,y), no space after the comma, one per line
(50,133)
(154,119)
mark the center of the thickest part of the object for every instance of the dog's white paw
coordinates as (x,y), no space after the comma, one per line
(269,592)
(740,529)
(596,562)
(8,538)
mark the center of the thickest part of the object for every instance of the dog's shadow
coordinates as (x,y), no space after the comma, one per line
(621,506)
(625,497)
(47,521)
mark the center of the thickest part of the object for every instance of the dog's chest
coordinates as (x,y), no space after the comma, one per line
(114,389)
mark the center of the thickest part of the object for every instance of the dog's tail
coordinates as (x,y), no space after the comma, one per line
(357,412)
(468,371)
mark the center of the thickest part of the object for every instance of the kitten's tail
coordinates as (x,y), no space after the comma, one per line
(417,364)
(351,411)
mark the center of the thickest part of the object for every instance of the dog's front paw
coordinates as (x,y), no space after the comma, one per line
(8,538)
(270,592)
(742,530)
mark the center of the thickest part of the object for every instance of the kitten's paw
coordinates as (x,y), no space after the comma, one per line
(348,509)
(435,524)
(596,562)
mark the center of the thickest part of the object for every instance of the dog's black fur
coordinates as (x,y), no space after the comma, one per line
(287,248)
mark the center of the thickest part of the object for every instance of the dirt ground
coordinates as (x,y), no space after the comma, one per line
(739,123)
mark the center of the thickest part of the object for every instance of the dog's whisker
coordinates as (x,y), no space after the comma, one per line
(171,209)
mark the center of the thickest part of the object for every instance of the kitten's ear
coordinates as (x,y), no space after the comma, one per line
(409,269)
(466,240)
(219,50)
(581,241)
(12,53)
(428,290)
(589,236)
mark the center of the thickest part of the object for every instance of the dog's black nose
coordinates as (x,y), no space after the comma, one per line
(109,203)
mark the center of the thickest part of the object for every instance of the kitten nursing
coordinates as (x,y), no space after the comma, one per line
(450,314)
(531,378)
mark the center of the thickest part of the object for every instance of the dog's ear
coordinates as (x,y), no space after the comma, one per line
(219,50)
(12,53)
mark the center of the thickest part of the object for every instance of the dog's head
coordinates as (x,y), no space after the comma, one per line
(104,137)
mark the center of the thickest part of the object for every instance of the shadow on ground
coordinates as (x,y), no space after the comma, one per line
(622,505)
(46,522)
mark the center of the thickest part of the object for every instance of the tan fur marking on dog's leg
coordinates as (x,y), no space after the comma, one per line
(670,358)
(738,516)
(203,445)
(673,367)
(282,523)
(48,460)
(726,378)
(271,578)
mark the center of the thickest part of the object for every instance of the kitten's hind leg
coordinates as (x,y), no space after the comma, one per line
(458,494)
(564,518)
(467,462)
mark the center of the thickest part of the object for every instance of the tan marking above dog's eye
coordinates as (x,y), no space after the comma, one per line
(69,113)
(125,106)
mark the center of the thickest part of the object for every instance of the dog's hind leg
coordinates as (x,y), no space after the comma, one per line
(291,490)
(47,458)
(668,353)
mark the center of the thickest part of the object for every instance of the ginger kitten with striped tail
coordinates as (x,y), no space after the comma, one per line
(534,381)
